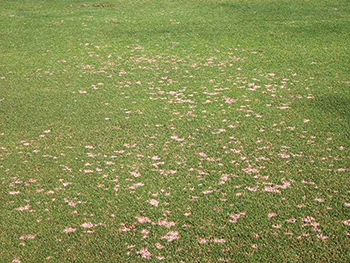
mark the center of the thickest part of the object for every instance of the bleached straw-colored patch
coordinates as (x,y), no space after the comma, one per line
(202,154)
(177,138)
(322,237)
(208,191)
(235,217)
(272,190)
(87,225)
(166,223)
(136,173)
(171,236)
(230,100)
(66,183)
(224,178)
(252,189)
(164,172)
(308,219)
(143,219)
(153,202)
(284,155)
(144,252)
(159,245)
(89,147)
(145,232)
(203,240)
(134,186)
(346,222)
(270,215)
(250,170)
(23,208)
(24,237)
(219,240)
(291,220)
(69,230)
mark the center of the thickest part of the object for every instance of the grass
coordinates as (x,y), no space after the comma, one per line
(182,131)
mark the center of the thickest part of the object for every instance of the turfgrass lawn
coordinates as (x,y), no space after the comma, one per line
(182,131)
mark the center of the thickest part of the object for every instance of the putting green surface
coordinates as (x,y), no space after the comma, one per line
(174,131)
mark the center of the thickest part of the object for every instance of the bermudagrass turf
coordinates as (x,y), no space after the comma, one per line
(193,131)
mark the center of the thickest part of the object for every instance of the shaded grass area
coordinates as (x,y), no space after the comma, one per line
(194,131)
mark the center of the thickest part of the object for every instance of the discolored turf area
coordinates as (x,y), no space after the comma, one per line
(174,131)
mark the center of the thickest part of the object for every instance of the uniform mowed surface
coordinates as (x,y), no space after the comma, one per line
(174,131)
